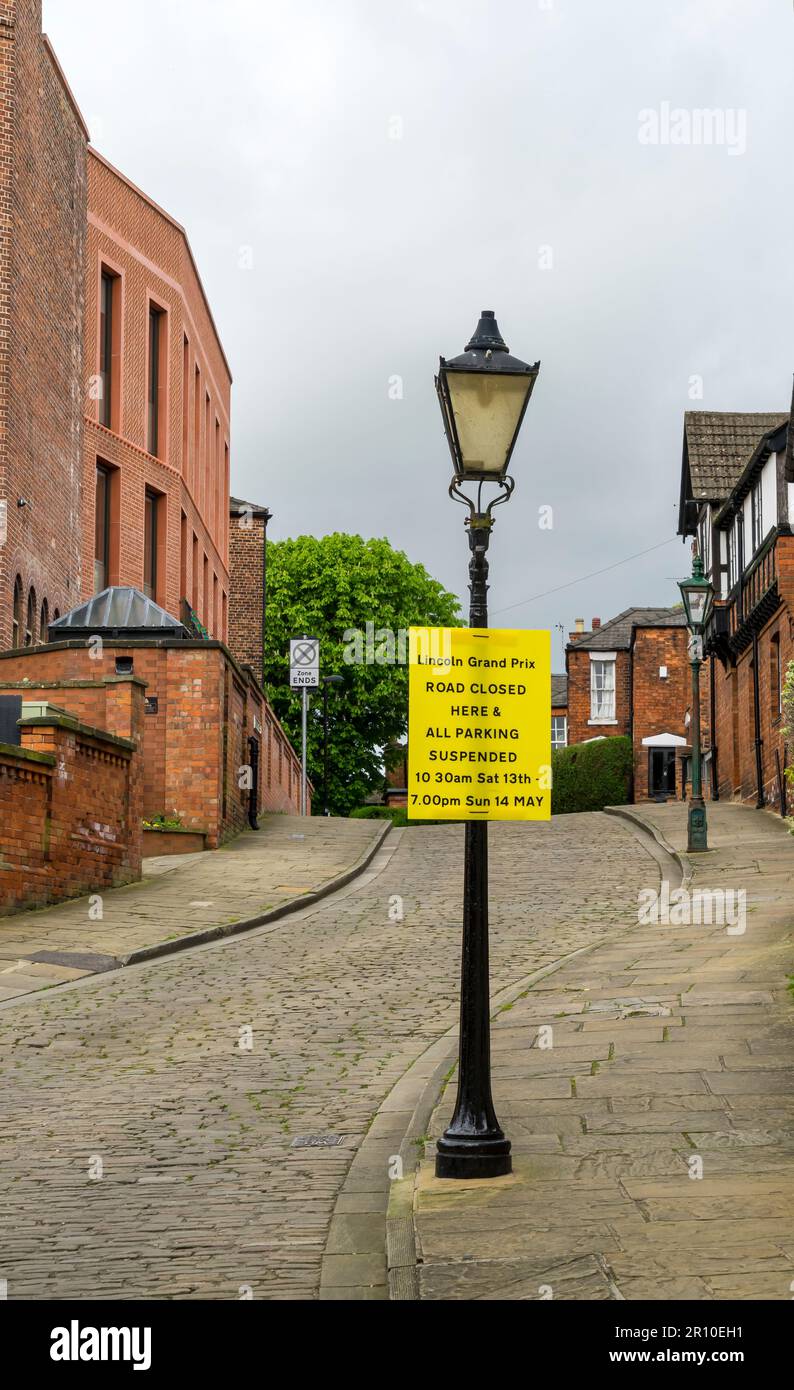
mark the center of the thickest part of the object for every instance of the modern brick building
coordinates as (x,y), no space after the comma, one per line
(115,398)
(43,233)
(632,676)
(737,499)
(158,391)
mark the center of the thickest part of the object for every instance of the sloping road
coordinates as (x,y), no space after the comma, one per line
(145,1153)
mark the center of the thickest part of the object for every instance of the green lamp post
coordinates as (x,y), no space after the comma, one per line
(698,596)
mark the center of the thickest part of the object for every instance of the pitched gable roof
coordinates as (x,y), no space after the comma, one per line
(559,692)
(717,447)
(616,634)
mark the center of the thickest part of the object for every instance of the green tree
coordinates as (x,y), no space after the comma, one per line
(359,598)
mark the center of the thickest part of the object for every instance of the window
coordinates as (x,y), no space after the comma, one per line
(107,344)
(185,407)
(705,542)
(182,556)
(44,622)
(30,622)
(732,568)
(16,628)
(602,689)
(102,529)
(150,538)
(757,514)
(196,468)
(156,379)
(559,731)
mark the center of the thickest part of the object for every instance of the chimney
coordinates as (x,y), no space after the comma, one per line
(579,631)
(596,623)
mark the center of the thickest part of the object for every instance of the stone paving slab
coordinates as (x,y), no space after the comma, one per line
(258,873)
(674,1160)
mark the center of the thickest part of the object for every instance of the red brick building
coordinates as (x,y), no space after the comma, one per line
(158,392)
(248,582)
(737,498)
(632,676)
(43,231)
(114,480)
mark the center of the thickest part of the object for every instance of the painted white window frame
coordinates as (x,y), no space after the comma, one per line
(705,541)
(602,710)
(733,556)
(557,719)
(757,514)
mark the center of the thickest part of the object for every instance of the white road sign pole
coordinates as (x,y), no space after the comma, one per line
(304,675)
(304,713)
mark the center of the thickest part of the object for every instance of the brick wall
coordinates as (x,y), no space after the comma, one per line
(70,813)
(734,690)
(247,541)
(195,739)
(579,727)
(735,717)
(660,703)
(42,269)
(148,253)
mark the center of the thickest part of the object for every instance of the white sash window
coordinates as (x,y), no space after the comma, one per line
(602,688)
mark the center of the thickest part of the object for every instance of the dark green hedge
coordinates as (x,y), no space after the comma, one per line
(590,776)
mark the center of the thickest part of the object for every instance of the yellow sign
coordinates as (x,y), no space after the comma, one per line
(479,728)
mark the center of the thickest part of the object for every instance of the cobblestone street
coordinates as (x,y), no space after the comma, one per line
(140,1076)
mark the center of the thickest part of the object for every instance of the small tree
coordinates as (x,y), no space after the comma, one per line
(359,598)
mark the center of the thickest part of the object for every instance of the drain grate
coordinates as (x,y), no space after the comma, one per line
(317,1141)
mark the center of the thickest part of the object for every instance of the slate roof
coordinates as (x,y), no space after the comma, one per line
(719,444)
(559,692)
(616,634)
(237,506)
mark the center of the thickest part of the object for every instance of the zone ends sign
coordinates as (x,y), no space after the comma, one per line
(304,663)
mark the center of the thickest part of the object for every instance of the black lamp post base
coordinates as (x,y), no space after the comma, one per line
(475,1158)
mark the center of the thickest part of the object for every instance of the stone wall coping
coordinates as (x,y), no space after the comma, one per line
(67,684)
(14,752)
(174,830)
(61,720)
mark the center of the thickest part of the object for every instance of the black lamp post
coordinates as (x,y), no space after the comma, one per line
(484,395)
(698,596)
(327,681)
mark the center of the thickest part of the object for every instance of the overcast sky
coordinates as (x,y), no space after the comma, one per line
(360,178)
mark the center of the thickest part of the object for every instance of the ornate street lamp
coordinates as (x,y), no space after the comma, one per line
(484,395)
(698,596)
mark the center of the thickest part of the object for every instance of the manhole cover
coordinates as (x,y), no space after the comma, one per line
(316,1141)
